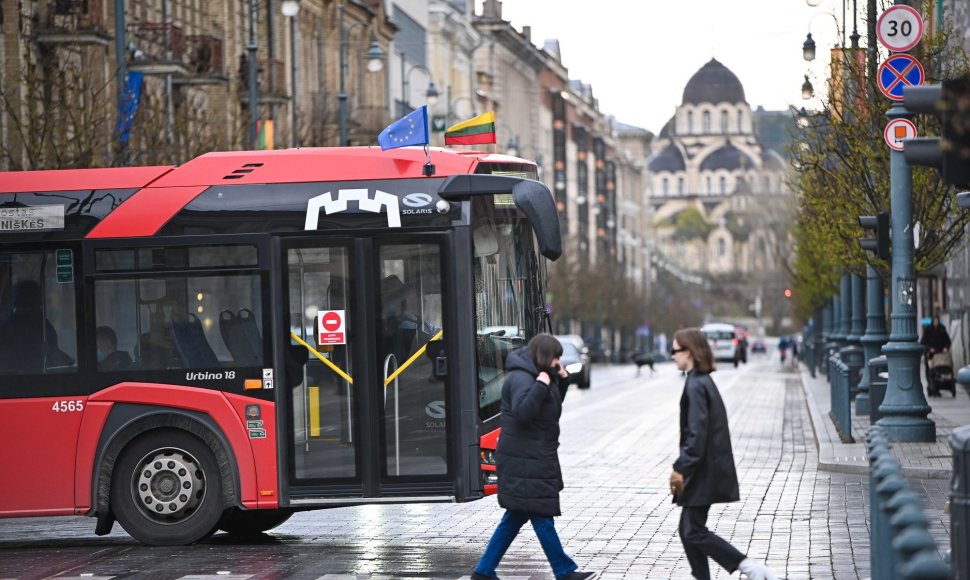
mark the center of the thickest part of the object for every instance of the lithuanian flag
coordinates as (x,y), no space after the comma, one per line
(477,131)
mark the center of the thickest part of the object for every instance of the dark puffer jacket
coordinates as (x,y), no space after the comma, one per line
(706,460)
(527,460)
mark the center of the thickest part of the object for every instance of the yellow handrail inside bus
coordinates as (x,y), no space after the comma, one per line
(414,357)
(322,358)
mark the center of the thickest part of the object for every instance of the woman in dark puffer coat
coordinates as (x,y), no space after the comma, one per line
(527,459)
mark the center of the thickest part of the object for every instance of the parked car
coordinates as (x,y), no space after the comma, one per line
(759,346)
(575,359)
(724,342)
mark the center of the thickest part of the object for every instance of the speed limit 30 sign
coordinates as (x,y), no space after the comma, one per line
(900,28)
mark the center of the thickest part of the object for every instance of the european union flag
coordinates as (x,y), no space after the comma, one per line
(412,129)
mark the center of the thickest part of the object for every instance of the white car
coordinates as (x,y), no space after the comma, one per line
(724,341)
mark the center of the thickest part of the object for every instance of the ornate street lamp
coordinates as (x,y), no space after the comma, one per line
(290,8)
(808,48)
(375,62)
(807,90)
(431,94)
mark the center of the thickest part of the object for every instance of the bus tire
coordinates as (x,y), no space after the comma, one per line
(166,489)
(246,523)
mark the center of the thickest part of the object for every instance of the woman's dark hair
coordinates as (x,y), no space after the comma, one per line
(696,343)
(543,348)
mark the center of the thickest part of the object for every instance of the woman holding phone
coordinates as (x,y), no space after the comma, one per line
(527,459)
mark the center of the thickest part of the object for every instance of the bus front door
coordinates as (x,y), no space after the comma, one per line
(366,371)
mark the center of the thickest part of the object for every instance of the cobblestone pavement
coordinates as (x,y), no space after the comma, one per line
(619,440)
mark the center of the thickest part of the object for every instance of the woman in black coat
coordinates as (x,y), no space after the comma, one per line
(527,458)
(704,473)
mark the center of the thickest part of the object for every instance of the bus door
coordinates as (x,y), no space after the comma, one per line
(366,369)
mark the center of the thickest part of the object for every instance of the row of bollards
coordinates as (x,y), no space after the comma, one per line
(840,397)
(901,545)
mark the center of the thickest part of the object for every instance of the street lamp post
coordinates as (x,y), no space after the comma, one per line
(904,410)
(253,89)
(431,94)
(290,8)
(375,62)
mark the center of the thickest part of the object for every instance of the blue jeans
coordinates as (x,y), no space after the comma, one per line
(506,531)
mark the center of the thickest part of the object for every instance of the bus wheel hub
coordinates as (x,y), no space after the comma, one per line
(170,483)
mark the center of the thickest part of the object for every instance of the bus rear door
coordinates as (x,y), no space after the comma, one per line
(368,406)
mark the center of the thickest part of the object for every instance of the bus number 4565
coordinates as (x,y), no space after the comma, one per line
(67,406)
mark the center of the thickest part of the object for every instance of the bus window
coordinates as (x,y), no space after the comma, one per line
(415,418)
(501,312)
(38,333)
(183,322)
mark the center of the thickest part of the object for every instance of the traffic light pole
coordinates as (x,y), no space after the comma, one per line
(905,411)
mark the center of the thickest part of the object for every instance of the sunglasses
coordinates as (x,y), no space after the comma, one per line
(674,351)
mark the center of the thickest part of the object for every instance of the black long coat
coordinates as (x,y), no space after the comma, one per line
(527,457)
(706,460)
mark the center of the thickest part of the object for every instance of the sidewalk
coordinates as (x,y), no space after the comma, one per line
(918,460)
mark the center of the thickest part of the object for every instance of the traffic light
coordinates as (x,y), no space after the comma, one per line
(950,152)
(879,226)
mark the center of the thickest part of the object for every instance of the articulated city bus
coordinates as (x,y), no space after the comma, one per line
(220,344)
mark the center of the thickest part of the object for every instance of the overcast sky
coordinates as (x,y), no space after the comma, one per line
(639,54)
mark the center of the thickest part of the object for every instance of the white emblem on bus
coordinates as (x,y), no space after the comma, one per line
(330,205)
(417,200)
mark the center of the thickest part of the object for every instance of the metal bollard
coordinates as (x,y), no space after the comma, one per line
(840,400)
(960,503)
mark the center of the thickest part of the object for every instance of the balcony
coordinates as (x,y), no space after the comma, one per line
(73,22)
(203,58)
(156,48)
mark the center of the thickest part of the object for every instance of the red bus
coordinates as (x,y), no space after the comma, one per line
(220,344)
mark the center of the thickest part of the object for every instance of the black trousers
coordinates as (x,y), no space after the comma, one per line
(701,544)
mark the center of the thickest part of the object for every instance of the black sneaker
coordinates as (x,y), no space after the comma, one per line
(477,576)
(577,575)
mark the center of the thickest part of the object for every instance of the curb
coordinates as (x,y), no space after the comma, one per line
(850,458)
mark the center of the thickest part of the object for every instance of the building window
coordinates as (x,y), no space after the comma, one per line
(767,184)
(680,186)
(690,122)
(721,247)
(740,122)
(724,122)
(707,185)
(722,185)
(706,122)
(665,186)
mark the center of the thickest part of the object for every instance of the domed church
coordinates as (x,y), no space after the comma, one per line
(719,198)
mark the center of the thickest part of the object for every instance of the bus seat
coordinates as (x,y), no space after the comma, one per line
(241,335)
(191,343)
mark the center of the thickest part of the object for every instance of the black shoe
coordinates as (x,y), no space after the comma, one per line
(477,576)
(577,575)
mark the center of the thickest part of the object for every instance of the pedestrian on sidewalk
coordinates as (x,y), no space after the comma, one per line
(704,473)
(935,340)
(527,459)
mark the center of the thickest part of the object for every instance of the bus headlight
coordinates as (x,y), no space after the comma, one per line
(574,368)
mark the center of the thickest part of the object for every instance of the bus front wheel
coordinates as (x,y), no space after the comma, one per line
(167,489)
(244,523)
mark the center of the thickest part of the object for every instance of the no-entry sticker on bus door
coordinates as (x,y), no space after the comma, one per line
(331,327)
